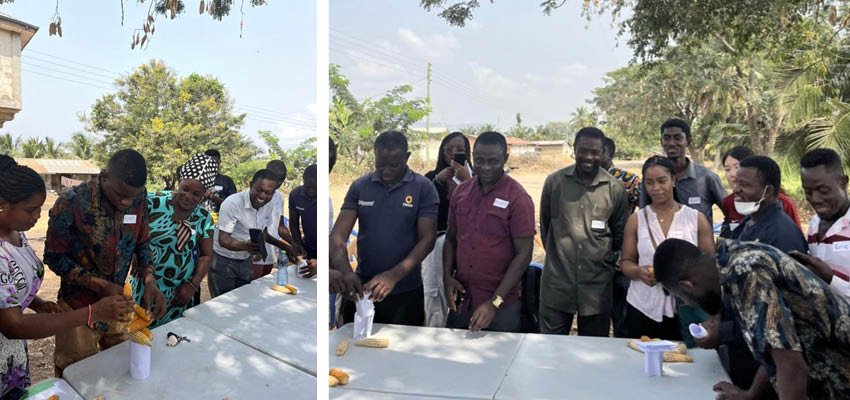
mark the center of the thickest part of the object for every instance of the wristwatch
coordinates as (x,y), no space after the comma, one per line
(496,300)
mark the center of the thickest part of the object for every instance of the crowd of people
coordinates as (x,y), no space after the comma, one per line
(626,255)
(109,229)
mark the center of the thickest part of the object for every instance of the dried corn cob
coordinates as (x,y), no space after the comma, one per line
(374,342)
(672,356)
(332,381)
(140,338)
(128,290)
(282,289)
(142,313)
(53,397)
(645,339)
(292,289)
(342,348)
(340,375)
(136,325)
(147,332)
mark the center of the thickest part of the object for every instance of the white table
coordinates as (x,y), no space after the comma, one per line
(427,361)
(574,367)
(212,366)
(307,288)
(280,325)
(52,386)
(341,393)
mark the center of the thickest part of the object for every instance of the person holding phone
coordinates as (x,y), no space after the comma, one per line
(233,248)
(452,170)
(489,242)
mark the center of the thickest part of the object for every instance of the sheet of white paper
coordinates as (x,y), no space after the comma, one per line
(140,361)
(363,317)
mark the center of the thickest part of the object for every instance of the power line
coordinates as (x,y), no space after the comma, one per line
(66,73)
(71,61)
(67,80)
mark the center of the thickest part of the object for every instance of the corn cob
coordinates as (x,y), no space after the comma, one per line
(141,338)
(340,375)
(147,332)
(128,290)
(282,289)
(645,339)
(669,356)
(332,381)
(142,313)
(53,397)
(342,348)
(292,289)
(374,342)
(136,325)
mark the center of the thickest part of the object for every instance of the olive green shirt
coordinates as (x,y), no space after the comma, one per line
(582,231)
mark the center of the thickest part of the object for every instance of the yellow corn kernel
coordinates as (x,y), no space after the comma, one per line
(147,332)
(142,313)
(53,397)
(374,342)
(136,325)
(128,290)
(332,381)
(340,375)
(140,338)
(645,339)
(292,289)
(342,348)
(282,289)
(672,356)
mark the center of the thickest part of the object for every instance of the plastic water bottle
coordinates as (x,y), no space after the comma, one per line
(282,270)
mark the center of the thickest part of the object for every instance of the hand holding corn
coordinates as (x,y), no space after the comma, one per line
(137,328)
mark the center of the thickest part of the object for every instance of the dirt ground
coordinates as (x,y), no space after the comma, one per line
(41,351)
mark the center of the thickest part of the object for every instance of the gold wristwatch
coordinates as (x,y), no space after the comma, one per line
(496,300)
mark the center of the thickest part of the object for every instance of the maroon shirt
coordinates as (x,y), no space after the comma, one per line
(486,225)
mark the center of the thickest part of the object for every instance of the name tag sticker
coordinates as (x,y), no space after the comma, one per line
(596,224)
(693,200)
(500,203)
(130,219)
(841,246)
(218,188)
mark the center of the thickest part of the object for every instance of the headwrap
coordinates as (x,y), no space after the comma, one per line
(202,168)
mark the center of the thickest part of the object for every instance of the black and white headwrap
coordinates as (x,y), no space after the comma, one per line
(202,168)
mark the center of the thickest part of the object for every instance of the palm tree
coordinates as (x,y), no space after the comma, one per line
(32,148)
(82,146)
(9,145)
(51,149)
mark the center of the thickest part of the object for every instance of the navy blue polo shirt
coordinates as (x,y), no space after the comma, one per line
(305,207)
(387,218)
(775,228)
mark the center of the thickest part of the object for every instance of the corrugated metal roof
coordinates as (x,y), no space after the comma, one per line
(51,167)
(548,142)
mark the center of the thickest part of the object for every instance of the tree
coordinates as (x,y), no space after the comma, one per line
(8,145)
(519,131)
(297,159)
(354,124)
(168,119)
(82,146)
(217,9)
(52,149)
(32,148)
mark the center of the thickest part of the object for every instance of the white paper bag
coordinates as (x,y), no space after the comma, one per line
(653,355)
(363,318)
(140,361)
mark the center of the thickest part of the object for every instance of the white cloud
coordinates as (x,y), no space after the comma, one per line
(492,83)
(433,46)
(475,25)
(313,109)
(290,136)
(570,73)
(368,67)
(534,78)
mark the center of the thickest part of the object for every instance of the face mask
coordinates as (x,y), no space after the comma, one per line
(749,207)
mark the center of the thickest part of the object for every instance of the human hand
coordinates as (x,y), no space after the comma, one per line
(446,174)
(647,275)
(482,317)
(113,308)
(460,171)
(184,293)
(728,391)
(712,339)
(381,285)
(308,271)
(152,295)
(453,291)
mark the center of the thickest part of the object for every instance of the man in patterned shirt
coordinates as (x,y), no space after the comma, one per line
(94,232)
(797,328)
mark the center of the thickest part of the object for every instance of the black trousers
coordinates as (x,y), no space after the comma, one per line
(636,324)
(406,308)
(618,309)
(505,320)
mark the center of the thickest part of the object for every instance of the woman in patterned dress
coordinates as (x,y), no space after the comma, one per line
(178,224)
(22,193)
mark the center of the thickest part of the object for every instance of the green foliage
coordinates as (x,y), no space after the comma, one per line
(9,145)
(82,146)
(354,124)
(242,173)
(297,159)
(168,119)
(32,148)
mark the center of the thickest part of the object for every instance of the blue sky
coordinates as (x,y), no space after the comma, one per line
(511,58)
(270,72)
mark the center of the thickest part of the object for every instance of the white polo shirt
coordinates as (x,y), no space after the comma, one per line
(237,216)
(834,248)
(271,250)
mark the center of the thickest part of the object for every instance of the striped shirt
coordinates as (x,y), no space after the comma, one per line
(834,249)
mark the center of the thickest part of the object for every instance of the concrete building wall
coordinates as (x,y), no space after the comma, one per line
(10,74)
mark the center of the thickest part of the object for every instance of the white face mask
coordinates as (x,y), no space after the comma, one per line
(746,208)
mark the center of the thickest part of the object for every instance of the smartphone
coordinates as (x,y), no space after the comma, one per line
(257,237)
(460,158)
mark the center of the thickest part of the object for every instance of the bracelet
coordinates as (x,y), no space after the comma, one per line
(90,323)
(192,284)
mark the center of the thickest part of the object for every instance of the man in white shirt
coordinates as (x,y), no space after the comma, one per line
(825,185)
(264,267)
(233,250)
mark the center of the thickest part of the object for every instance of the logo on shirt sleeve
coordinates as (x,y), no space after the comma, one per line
(408,201)
(363,203)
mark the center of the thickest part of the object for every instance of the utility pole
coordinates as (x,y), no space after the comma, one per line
(428,116)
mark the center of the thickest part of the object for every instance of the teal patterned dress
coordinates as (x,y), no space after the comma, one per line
(172,267)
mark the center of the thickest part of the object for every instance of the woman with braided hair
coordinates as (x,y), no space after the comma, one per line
(22,193)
